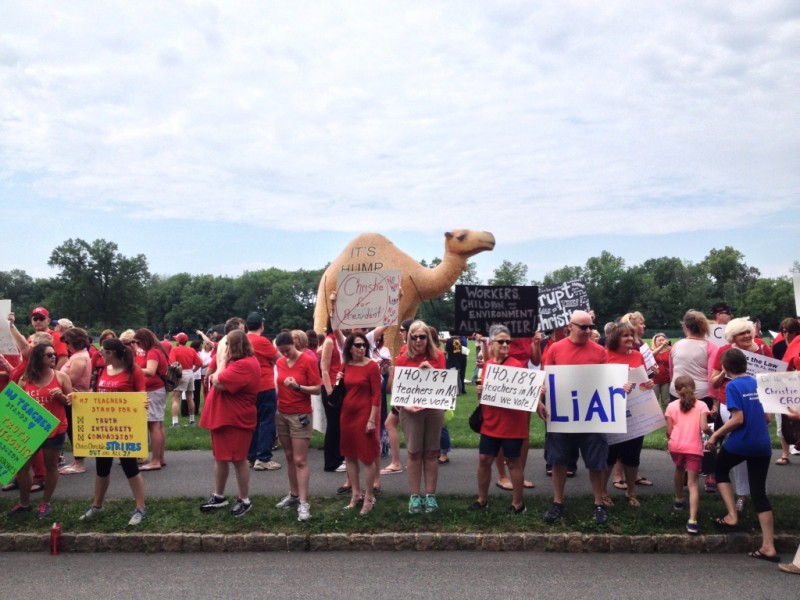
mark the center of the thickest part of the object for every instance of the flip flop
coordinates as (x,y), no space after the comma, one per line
(633,501)
(620,485)
(761,556)
(390,471)
(443,461)
(71,470)
(783,460)
(10,487)
(37,487)
(528,484)
(510,487)
(149,468)
(644,481)
(724,525)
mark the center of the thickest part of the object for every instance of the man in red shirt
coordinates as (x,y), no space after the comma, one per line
(576,349)
(190,361)
(259,454)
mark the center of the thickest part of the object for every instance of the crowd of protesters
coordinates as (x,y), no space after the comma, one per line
(256,390)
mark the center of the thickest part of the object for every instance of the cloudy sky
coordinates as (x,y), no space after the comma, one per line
(219,137)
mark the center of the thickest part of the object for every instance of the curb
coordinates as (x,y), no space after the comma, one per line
(379,542)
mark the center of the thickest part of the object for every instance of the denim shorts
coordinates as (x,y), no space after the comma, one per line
(54,443)
(593,448)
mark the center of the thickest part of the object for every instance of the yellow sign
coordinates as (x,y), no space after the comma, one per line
(110,424)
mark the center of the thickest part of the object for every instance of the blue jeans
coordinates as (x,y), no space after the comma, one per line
(444,440)
(264,434)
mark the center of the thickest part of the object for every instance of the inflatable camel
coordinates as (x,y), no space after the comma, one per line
(374,252)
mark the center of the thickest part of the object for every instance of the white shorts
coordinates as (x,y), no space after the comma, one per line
(187,381)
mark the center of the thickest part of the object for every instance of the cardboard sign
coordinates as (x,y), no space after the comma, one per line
(7,345)
(478,307)
(425,388)
(586,398)
(758,363)
(796,282)
(110,424)
(366,299)
(716,334)
(778,391)
(24,426)
(558,302)
(512,387)
(643,412)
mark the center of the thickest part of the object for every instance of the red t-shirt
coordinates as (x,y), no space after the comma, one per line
(305,372)
(59,346)
(662,360)
(439,363)
(187,356)
(235,406)
(55,407)
(121,382)
(633,360)
(763,349)
(166,345)
(566,352)
(520,350)
(267,355)
(155,382)
(500,422)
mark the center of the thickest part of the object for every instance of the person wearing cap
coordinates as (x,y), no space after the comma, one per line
(259,455)
(190,362)
(40,320)
(722,313)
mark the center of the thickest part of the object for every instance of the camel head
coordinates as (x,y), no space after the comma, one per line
(466,242)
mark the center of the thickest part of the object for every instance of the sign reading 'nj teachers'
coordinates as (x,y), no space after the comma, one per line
(478,307)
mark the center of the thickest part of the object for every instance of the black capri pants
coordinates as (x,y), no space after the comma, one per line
(103,466)
(757,468)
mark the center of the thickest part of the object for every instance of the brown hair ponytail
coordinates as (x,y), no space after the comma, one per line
(684,385)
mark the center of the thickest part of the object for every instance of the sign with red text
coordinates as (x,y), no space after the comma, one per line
(366,299)
(110,424)
(512,387)
(24,426)
(425,388)
(779,391)
(586,398)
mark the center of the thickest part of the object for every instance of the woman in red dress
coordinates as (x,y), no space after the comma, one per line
(360,410)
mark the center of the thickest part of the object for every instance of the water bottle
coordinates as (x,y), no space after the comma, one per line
(55,539)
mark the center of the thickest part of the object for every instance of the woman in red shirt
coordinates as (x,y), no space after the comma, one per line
(422,426)
(661,348)
(119,375)
(51,389)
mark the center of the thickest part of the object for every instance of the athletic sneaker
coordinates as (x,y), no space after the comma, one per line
(20,508)
(600,514)
(45,510)
(679,504)
(414,505)
(240,507)
(304,511)
(91,513)
(517,511)
(269,465)
(214,502)
(341,468)
(136,518)
(288,501)
(476,506)
(554,513)
(430,503)
(691,527)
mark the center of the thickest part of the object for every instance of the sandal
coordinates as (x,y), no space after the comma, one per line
(37,486)
(608,502)
(10,487)
(644,481)
(633,501)
(761,556)
(724,525)
(72,470)
(528,484)
(505,486)
(621,485)
(783,460)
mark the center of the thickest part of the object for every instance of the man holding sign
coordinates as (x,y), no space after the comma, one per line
(576,349)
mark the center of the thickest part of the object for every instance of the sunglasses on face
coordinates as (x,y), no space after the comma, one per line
(419,337)
(37,318)
(359,345)
(50,354)
(582,327)
(503,342)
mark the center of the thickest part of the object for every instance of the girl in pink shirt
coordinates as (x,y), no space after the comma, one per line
(686,420)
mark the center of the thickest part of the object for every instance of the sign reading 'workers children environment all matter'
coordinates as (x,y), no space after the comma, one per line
(366,299)
(586,398)
(425,388)
(24,426)
(110,424)
(478,307)
(512,387)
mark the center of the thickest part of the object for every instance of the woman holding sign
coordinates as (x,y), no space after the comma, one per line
(502,429)
(51,389)
(360,411)
(119,375)
(422,426)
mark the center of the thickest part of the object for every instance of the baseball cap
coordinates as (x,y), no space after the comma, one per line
(40,311)
(181,338)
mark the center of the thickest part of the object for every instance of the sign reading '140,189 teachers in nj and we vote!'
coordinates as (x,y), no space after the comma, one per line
(512,387)
(366,299)
(425,388)
(24,426)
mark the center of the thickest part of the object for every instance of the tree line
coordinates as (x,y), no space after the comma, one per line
(98,287)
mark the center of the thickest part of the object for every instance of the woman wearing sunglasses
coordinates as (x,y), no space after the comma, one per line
(51,389)
(360,411)
(422,426)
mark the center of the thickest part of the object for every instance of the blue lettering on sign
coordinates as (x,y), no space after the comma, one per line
(596,408)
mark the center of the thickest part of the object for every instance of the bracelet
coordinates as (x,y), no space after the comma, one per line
(297,387)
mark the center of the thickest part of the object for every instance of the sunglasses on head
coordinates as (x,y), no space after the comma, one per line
(419,337)
(582,327)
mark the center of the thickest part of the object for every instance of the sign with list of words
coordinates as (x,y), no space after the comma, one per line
(110,424)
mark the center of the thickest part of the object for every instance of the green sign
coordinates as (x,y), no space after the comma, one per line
(24,426)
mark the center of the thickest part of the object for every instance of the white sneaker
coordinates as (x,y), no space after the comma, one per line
(304,511)
(271,465)
(136,517)
(288,501)
(341,468)
(793,450)
(91,513)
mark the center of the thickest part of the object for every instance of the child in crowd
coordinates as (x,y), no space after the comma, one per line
(686,420)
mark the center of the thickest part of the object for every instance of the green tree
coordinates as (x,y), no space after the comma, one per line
(509,273)
(23,291)
(730,276)
(565,273)
(97,285)
(771,300)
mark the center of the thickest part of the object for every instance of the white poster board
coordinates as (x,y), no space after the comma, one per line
(758,363)
(778,391)
(716,334)
(318,421)
(586,398)
(796,280)
(643,413)
(7,345)
(512,387)
(425,388)
(366,299)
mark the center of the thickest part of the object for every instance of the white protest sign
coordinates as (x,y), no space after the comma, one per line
(643,413)
(796,280)
(7,345)
(512,387)
(716,334)
(778,391)
(366,299)
(758,363)
(425,388)
(649,359)
(586,398)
